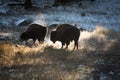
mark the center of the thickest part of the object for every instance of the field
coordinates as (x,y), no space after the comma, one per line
(98,55)
(97,58)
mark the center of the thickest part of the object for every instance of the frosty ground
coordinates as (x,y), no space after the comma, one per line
(97,58)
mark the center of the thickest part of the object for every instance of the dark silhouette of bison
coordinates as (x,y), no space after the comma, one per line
(34,31)
(66,33)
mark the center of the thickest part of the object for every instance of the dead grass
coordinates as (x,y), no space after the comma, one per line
(47,62)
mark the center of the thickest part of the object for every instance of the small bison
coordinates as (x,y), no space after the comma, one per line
(34,31)
(66,33)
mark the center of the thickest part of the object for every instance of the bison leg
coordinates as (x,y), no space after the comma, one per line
(41,40)
(62,44)
(34,40)
(76,44)
(67,43)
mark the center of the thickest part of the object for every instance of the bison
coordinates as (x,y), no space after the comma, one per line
(66,33)
(34,31)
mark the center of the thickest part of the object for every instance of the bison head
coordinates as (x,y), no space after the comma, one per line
(23,36)
(53,36)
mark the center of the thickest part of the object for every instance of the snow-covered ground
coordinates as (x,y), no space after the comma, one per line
(101,12)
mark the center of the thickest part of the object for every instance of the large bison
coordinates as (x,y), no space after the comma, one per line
(66,33)
(34,31)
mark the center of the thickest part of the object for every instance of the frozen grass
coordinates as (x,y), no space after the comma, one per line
(97,58)
(98,54)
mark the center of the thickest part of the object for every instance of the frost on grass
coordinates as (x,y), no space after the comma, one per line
(97,57)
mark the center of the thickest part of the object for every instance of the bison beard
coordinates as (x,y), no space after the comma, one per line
(66,33)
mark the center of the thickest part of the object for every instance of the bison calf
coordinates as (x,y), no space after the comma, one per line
(34,31)
(66,33)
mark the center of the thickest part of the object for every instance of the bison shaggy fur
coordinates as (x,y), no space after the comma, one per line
(34,31)
(66,33)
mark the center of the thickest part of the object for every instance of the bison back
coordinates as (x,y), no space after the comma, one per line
(35,31)
(67,32)
(35,27)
